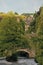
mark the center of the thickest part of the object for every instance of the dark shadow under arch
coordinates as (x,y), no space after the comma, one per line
(22,54)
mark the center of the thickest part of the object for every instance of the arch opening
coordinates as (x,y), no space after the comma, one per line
(23,54)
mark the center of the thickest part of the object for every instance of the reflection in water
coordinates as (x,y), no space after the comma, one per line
(21,61)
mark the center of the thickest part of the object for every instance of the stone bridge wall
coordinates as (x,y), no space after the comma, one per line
(30,52)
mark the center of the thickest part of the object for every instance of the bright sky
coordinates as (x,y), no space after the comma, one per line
(20,6)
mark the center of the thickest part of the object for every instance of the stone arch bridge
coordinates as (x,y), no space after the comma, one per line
(31,53)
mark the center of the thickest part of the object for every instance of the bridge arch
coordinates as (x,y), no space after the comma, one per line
(23,53)
(28,52)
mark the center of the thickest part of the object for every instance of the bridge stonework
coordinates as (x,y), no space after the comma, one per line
(31,53)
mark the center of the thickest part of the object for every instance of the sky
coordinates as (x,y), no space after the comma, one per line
(20,6)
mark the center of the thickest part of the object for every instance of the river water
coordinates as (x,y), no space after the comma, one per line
(21,61)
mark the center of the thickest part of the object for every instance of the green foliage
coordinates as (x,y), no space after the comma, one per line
(32,26)
(12,34)
(37,27)
(39,32)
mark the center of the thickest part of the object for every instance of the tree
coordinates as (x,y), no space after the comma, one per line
(12,33)
(39,32)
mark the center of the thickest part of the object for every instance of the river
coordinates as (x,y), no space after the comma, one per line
(21,61)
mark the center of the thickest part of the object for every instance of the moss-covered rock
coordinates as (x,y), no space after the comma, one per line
(12,58)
